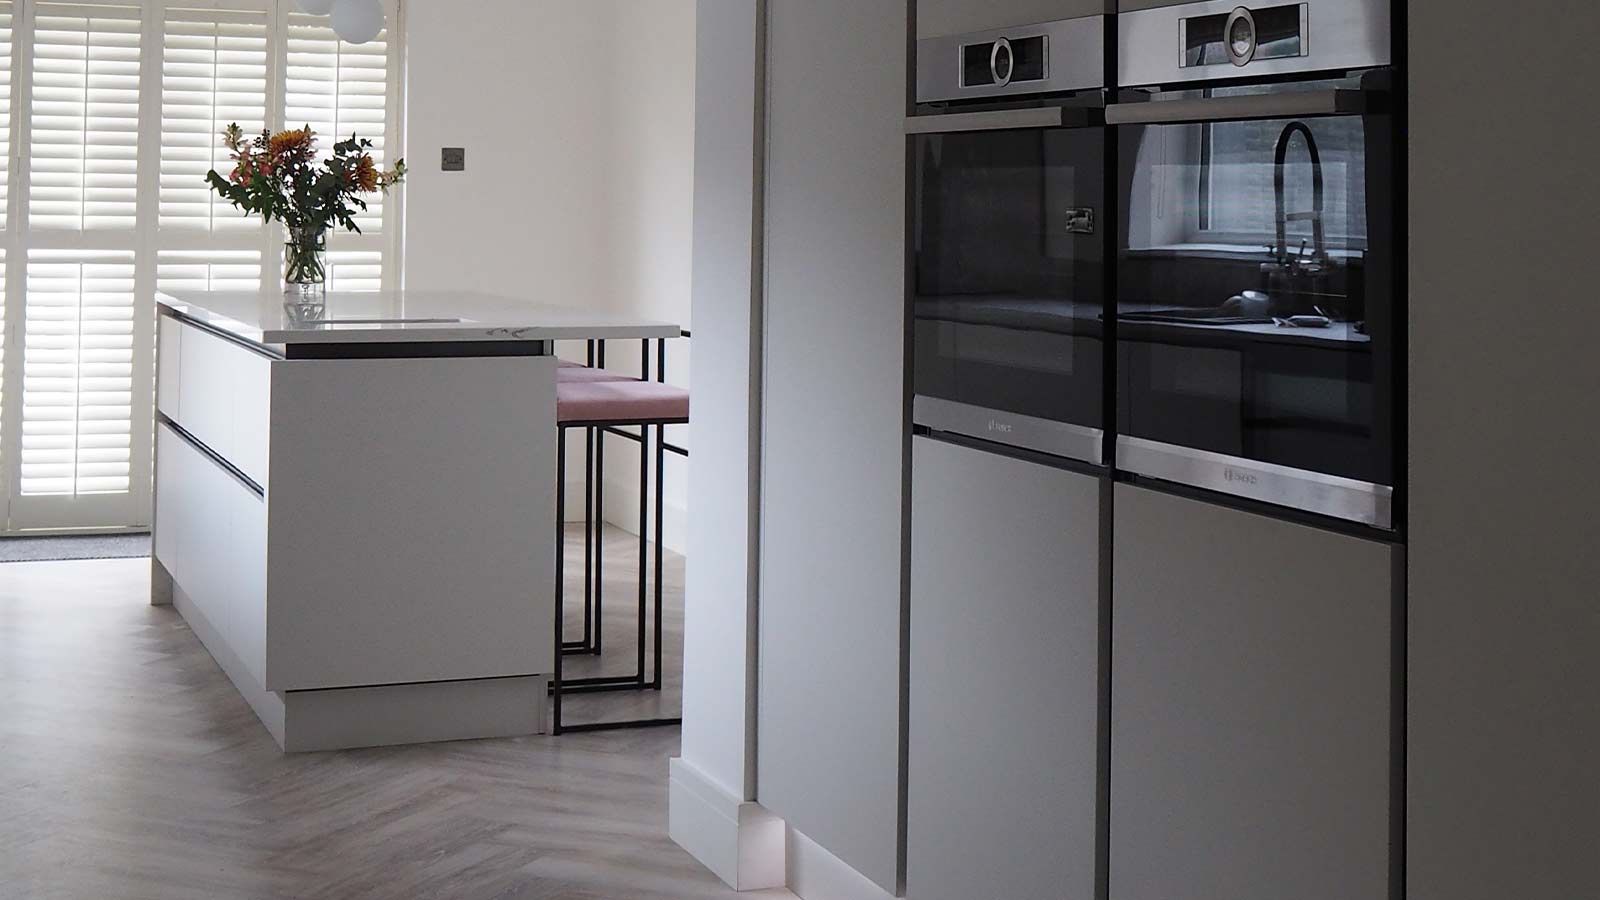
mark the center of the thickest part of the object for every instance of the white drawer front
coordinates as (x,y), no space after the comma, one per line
(169,354)
(223,392)
(211,535)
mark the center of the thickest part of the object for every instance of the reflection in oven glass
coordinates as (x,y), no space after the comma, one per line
(1253,290)
(1008,292)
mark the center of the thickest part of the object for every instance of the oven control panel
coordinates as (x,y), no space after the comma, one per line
(1243,35)
(1217,39)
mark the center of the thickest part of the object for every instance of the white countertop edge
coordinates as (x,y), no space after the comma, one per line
(462,334)
(573,327)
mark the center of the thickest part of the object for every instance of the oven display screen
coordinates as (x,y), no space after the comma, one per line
(1279,33)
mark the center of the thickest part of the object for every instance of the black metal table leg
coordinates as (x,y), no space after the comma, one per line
(661,466)
(561,585)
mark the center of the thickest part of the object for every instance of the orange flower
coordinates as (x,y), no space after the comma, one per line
(293,144)
(365,176)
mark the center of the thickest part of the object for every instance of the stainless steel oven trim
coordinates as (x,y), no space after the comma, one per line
(1074,61)
(1351,34)
(1063,439)
(1289,104)
(1315,492)
(989,120)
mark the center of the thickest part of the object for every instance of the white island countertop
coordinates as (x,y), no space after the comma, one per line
(264,318)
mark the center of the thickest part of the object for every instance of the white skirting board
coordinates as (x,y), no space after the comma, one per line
(739,841)
(304,721)
(752,849)
(813,873)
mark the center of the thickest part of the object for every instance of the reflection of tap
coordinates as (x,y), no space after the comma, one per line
(1319,253)
(1294,282)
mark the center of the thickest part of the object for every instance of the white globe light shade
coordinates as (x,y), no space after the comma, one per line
(357,21)
(315,7)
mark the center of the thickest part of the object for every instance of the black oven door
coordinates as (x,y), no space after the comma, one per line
(1007,298)
(1255,315)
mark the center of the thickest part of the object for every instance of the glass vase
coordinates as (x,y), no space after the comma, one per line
(305,267)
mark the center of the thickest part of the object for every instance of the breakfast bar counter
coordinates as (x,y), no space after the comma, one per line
(355,505)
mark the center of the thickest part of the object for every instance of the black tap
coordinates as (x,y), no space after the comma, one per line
(1318,234)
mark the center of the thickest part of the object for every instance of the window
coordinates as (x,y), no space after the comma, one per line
(213,73)
(121,103)
(77,391)
(341,90)
(1239,199)
(1237,194)
(83,135)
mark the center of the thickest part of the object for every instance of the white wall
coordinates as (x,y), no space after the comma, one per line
(577,117)
(1504,793)
(529,216)
(649,177)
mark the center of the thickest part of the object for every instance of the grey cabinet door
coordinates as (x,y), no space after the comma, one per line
(1003,693)
(1250,702)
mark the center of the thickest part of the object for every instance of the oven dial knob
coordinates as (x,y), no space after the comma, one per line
(1240,36)
(1001,62)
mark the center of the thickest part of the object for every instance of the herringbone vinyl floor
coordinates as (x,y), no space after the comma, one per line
(131,770)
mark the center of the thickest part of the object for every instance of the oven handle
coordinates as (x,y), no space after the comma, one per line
(1298,104)
(989,120)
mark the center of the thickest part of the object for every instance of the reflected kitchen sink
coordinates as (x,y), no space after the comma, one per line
(1195,316)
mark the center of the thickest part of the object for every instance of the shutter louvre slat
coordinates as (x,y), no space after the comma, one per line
(77,379)
(213,73)
(84,123)
(339,88)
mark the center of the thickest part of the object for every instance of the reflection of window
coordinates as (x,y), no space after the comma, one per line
(1237,199)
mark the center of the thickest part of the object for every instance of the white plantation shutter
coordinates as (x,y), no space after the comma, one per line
(208,270)
(355,270)
(213,73)
(77,391)
(339,89)
(4,443)
(110,114)
(6,13)
(84,134)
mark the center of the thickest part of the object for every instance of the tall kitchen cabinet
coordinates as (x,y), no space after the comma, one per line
(1004,677)
(833,450)
(1251,692)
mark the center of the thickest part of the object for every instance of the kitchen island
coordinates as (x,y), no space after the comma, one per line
(355,505)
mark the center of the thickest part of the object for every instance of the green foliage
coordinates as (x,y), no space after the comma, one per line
(279,178)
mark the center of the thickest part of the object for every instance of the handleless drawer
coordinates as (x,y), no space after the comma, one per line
(211,535)
(218,392)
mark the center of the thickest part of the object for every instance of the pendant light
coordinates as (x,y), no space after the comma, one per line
(315,7)
(357,21)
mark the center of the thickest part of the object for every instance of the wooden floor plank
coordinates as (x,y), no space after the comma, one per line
(130,768)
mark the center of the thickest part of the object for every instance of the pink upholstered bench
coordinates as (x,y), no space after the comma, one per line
(627,402)
(567,372)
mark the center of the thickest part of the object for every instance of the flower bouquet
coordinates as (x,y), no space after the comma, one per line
(279,177)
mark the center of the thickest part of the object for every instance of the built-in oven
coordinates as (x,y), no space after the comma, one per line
(1257,326)
(1008,230)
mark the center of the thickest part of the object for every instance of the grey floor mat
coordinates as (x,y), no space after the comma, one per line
(102,546)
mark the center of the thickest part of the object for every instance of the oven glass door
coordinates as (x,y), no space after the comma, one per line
(1008,286)
(1256,337)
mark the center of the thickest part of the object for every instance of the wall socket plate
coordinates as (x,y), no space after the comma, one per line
(453,159)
